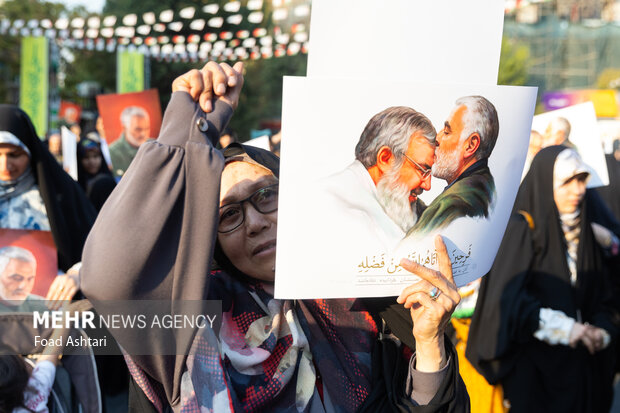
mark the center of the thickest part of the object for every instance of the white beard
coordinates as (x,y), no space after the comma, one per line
(394,198)
(446,165)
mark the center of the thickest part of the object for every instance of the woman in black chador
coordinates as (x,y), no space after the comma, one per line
(543,323)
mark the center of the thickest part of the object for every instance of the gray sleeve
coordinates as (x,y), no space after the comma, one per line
(144,227)
(421,386)
(154,237)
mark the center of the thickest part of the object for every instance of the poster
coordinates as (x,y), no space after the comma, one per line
(578,124)
(28,265)
(335,239)
(111,107)
(69,152)
(34,81)
(404,39)
(610,131)
(69,113)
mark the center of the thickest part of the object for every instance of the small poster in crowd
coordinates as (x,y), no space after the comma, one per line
(576,127)
(28,266)
(610,132)
(363,182)
(69,151)
(139,112)
(69,113)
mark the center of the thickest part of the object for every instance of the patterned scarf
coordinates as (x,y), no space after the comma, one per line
(16,187)
(21,205)
(262,360)
(571,225)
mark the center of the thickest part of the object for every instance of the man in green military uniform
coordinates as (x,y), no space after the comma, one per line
(464,146)
(18,269)
(136,130)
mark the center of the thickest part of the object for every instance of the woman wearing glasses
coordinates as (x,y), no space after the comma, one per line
(182,203)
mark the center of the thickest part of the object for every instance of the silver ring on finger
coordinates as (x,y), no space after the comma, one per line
(434,293)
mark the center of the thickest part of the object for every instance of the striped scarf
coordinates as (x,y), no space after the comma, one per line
(571,225)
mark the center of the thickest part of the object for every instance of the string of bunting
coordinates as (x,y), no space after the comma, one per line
(229,32)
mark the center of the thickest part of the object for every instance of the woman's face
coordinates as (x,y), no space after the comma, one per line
(91,162)
(568,196)
(13,162)
(252,246)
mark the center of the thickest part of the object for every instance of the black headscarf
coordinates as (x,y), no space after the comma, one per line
(264,158)
(100,185)
(530,272)
(69,212)
(83,146)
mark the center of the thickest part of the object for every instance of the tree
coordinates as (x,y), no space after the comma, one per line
(609,79)
(11,45)
(513,63)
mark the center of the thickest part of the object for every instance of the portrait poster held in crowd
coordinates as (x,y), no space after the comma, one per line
(28,265)
(69,113)
(111,107)
(69,151)
(610,131)
(578,126)
(332,219)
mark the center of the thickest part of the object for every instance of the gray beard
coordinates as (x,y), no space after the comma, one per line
(446,165)
(394,198)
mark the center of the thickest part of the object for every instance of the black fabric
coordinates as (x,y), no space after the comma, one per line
(478,165)
(389,375)
(611,193)
(138,402)
(99,189)
(389,368)
(69,212)
(530,272)
(396,316)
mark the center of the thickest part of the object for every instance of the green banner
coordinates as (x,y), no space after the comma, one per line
(129,72)
(34,81)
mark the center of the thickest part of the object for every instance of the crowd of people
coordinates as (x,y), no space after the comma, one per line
(194,217)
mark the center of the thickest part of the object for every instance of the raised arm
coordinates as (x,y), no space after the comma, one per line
(168,197)
(154,238)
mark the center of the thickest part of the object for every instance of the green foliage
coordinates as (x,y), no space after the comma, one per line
(10,45)
(609,79)
(261,99)
(90,65)
(513,63)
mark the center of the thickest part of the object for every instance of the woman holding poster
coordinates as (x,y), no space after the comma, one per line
(35,193)
(157,241)
(543,321)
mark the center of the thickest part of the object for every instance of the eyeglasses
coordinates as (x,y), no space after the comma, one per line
(424,172)
(232,215)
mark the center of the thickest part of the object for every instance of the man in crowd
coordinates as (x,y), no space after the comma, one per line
(461,159)
(375,199)
(557,133)
(136,130)
(536,144)
(18,268)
